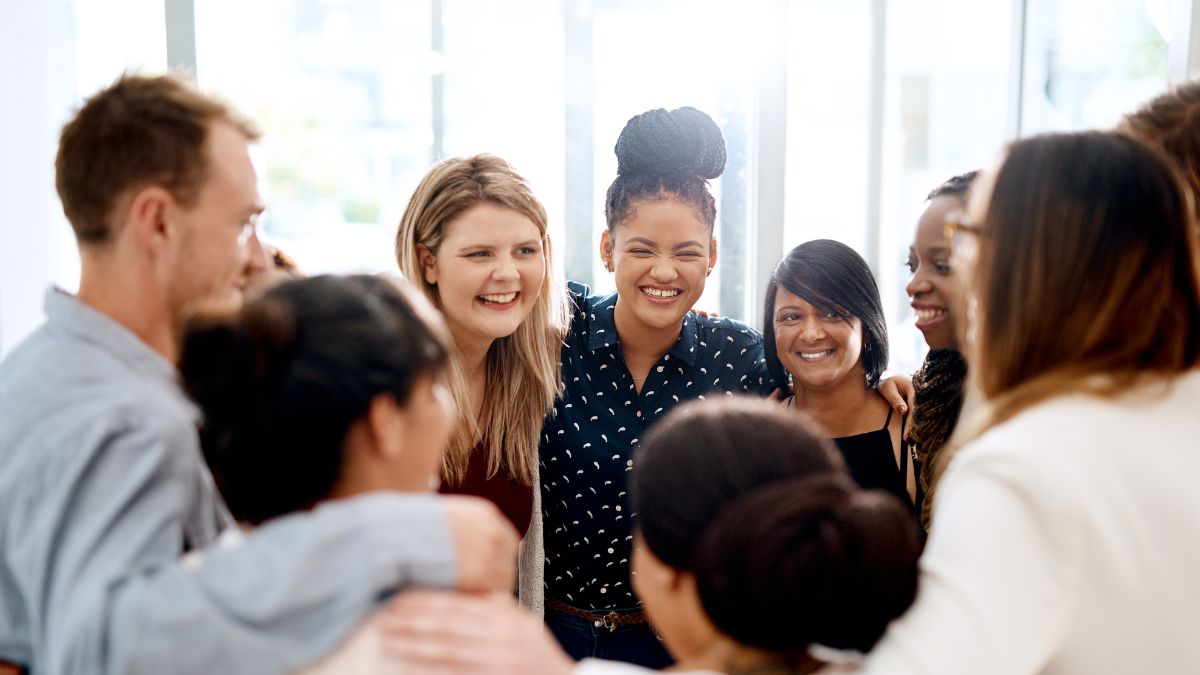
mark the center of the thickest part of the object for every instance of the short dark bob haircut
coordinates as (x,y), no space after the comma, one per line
(830,276)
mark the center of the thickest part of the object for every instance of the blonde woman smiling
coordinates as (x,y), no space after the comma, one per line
(474,239)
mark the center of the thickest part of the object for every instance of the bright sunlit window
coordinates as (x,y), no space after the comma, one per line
(881,103)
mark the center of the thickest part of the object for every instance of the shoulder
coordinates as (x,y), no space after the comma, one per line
(1060,456)
(588,310)
(727,330)
(62,405)
(581,296)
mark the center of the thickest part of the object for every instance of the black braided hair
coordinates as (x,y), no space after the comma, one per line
(938,402)
(662,154)
(954,187)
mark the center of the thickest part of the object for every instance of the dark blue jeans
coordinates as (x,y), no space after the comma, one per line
(583,639)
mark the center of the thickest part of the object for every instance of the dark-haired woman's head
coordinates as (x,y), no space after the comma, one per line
(823,320)
(1086,266)
(318,388)
(748,523)
(936,285)
(659,240)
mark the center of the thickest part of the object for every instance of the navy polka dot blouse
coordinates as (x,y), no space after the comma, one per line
(589,443)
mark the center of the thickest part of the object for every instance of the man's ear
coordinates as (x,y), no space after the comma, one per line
(148,217)
(428,264)
(385,422)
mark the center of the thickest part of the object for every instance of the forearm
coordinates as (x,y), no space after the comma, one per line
(277,601)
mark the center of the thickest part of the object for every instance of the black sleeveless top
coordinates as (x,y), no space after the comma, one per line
(871,458)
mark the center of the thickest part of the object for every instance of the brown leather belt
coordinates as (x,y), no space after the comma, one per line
(609,620)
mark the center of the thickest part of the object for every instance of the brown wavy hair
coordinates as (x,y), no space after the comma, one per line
(1081,230)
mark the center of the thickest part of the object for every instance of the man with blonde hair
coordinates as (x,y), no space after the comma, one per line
(102,482)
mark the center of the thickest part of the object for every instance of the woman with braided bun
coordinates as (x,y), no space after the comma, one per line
(629,358)
(936,289)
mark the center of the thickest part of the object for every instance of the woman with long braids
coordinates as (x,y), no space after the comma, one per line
(629,358)
(936,288)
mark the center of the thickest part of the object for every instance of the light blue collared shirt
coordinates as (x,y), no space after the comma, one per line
(103,485)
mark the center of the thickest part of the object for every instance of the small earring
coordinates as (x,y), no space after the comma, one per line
(608,265)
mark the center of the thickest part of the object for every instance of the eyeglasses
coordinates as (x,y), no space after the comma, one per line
(248,230)
(962,234)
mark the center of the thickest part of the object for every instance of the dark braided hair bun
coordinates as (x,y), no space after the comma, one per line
(666,155)
(681,142)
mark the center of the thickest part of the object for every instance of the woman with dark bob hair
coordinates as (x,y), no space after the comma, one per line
(826,346)
(321,389)
(754,552)
(1064,537)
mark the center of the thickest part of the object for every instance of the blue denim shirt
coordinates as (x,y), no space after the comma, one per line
(102,486)
(589,442)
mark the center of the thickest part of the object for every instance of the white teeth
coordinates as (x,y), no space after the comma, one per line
(925,314)
(499,298)
(813,356)
(659,293)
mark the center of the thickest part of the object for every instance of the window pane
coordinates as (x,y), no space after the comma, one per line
(343,91)
(669,54)
(946,112)
(504,91)
(1090,61)
(828,64)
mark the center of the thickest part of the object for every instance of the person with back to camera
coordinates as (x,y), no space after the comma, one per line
(936,288)
(319,390)
(754,553)
(1085,345)
(826,345)
(474,239)
(102,483)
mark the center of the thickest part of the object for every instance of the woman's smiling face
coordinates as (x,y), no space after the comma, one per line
(661,257)
(488,270)
(936,285)
(819,347)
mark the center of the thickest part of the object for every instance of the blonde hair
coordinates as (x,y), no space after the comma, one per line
(522,379)
(1079,229)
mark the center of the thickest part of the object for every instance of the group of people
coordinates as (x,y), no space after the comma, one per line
(207,466)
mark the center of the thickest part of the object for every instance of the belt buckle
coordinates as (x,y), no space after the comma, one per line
(610,621)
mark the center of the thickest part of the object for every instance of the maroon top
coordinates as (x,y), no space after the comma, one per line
(514,499)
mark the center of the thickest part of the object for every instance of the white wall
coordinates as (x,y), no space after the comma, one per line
(52,54)
(37,78)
